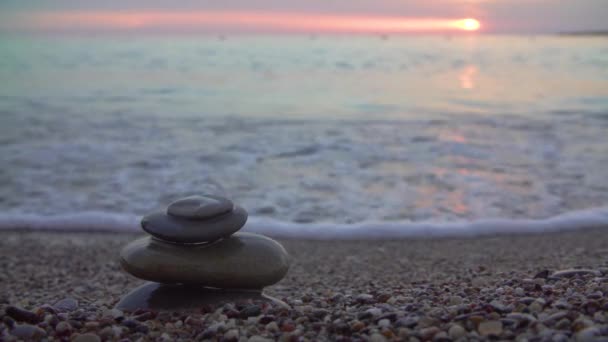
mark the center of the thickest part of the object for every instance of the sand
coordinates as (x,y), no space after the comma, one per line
(441,289)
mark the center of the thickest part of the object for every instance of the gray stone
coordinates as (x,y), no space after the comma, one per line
(154,296)
(456,331)
(488,328)
(28,332)
(183,230)
(22,315)
(574,272)
(241,261)
(200,207)
(66,305)
(88,337)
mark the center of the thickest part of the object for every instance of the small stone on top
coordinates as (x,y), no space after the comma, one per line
(195,219)
(200,207)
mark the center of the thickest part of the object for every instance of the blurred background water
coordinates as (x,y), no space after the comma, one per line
(306,128)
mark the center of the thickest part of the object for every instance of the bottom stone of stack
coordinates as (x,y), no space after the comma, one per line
(155,296)
(240,261)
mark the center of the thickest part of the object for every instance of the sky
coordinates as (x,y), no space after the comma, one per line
(317,16)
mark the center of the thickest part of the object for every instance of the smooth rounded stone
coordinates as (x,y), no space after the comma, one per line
(22,315)
(456,331)
(66,305)
(200,207)
(241,261)
(88,337)
(488,328)
(155,296)
(574,272)
(28,332)
(182,230)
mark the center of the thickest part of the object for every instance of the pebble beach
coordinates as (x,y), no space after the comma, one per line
(63,286)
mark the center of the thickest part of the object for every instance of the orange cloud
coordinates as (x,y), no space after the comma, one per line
(228,20)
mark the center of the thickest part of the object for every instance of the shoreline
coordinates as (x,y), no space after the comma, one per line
(107,222)
(406,289)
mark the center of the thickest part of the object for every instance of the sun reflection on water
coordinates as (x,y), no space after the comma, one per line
(467,77)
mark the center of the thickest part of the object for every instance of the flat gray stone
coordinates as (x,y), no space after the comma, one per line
(182,230)
(241,261)
(200,207)
(155,296)
(574,272)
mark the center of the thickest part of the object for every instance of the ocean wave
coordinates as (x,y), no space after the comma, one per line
(126,223)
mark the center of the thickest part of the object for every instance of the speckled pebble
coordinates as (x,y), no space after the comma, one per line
(490,328)
(88,337)
(66,305)
(27,332)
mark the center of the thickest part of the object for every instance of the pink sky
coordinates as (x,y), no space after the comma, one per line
(231,21)
(374,16)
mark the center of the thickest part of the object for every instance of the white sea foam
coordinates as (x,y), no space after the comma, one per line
(124,223)
(429,146)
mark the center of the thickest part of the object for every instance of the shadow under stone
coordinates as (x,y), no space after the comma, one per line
(157,296)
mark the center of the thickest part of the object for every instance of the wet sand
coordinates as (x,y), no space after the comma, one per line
(413,289)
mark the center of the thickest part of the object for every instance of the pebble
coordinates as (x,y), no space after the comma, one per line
(535,307)
(88,337)
(588,334)
(114,313)
(91,325)
(232,334)
(257,338)
(22,315)
(559,337)
(563,324)
(266,319)
(200,207)
(357,325)
(479,282)
(407,322)
(384,323)
(66,305)
(527,300)
(521,317)
(500,307)
(8,321)
(365,298)
(144,316)
(488,328)
(425,322)
(63,328)
(194,321)
(542,274)
(377,338)
(428,333)
(288,327)
(456,331)
(574,272)
(28,332)
(562,305)
(374,312)
(252,310)
(107,333)
(441,336)
(455,300)
(272,327)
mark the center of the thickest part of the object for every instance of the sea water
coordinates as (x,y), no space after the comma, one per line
(317,136)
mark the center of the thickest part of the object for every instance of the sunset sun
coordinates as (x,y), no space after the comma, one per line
(469,24)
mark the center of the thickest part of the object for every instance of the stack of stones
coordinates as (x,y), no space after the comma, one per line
(195,256)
